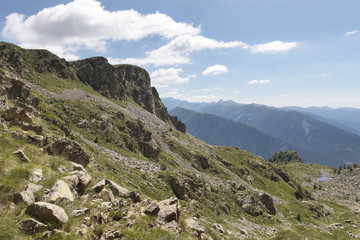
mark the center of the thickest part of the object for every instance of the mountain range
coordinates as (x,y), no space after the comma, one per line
(315,140)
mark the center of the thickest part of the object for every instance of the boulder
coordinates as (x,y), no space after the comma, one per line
(107,195)
(268,203)
(80,212)
(47,212)
(78,167)
(195,226)
(32,226)
(135,197)
(117,190)
(36,175)
(152,209)
(84,179)
(218,228)
(21,156)
(169,210)
(111,234)
(171,227)
(24,196)
(28,195)
(72,181)
(250,204)
(204,161)
(59,193)
(69,149)
(99,186)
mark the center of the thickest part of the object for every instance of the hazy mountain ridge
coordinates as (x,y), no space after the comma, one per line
(332,145)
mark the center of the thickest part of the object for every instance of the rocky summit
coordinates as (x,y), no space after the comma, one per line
(88,151)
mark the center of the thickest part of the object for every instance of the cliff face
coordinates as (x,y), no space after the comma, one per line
(122,82)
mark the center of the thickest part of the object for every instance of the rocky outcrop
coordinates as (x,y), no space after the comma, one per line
(268,201)
(69,149)
(124,81)
(47,212)
(102,76)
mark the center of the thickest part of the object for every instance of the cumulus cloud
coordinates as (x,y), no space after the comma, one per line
(272,47)
(352,33)
(177,51)
(258,81)
(164,77)
(215,70)
(65,29)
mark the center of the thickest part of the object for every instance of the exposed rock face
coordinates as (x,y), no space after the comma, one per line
(268,202)
(123,81)
(69,149)
(47,212)
(102,76)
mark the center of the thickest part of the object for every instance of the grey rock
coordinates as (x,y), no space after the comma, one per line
(107,195)
(117,190)
(99,186)
(45,212)
(195,226)
(169,210)
(69,149)
(218,228)
(269,203)
(171,227)
(80,212)
(32,226)
(152,209)
(59,193)
(21,156)
(36,175)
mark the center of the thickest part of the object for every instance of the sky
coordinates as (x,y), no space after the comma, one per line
(273,52)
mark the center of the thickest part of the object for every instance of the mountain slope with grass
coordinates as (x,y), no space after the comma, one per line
(89,152)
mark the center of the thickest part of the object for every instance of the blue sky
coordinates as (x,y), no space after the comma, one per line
(273,52)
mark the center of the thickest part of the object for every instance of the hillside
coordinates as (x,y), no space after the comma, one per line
(89,152)
(316,141)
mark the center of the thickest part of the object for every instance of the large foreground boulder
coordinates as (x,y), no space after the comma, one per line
(47,212)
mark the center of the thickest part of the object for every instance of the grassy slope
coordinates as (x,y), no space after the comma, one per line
(208,205)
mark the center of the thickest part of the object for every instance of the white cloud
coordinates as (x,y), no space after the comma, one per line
(258,81)
(272,47)
(64,29)
(176,51)
(192,76)
(215,70)
(165,77)
(352,33)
